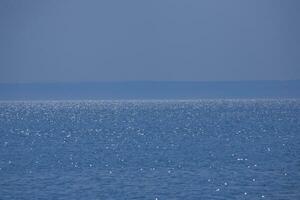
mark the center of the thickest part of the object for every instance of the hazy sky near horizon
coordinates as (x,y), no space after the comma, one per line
(117,40)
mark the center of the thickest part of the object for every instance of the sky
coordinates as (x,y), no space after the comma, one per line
(157,40)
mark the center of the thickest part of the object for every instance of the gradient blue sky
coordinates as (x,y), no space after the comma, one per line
(117,40)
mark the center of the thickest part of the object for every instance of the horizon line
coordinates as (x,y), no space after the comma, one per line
(148,81)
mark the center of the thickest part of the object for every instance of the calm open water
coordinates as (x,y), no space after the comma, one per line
(206,149)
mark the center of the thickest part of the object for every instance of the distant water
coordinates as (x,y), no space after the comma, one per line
(206,149)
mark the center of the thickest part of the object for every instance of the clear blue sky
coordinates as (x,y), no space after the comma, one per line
(117,40)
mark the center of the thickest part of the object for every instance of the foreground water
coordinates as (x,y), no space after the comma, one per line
(208,149)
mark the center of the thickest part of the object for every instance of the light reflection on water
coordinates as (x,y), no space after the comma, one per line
(207,149)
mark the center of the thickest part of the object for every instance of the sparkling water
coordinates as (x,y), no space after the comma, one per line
(200,149)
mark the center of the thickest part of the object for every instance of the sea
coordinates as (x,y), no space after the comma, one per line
(150,149)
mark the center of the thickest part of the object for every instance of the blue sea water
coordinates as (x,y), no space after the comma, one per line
(200,149)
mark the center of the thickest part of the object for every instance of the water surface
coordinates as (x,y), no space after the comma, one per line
(200,149)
